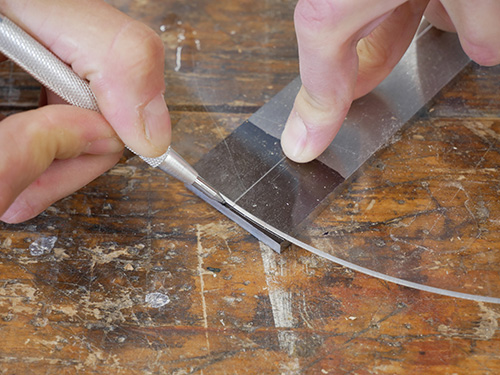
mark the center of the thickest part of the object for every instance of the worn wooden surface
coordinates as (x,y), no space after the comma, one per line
(235,307)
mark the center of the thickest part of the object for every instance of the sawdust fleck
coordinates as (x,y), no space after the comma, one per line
(109,310)
(229,300)
(235,259)
(290,367)
(15,295)
(57,344)
(60,253)
(52,210)
(370,205)
(39,321)
(131,184)
(94,357)
(69,311)
(7,243)
(102,255)
(128,267)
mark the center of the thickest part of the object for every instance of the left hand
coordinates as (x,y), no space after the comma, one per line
(48,153)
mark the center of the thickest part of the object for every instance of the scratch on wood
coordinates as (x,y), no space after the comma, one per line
(485,330)
(202,282)
(488,324)
(281,300)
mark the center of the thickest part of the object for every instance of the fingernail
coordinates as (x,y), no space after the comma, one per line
(157,124)
(294,137)
(103,146)
(9,218)
(14,214)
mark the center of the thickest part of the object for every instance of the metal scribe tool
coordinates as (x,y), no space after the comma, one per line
(58,77)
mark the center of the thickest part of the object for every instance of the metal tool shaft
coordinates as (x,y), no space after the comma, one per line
(176,166)
(58,77)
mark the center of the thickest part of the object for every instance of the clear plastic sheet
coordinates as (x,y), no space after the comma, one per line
(427,232)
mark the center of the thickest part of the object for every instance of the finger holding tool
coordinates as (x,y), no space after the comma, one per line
(59,78)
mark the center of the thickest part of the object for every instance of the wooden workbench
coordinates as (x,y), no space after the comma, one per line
(234,306)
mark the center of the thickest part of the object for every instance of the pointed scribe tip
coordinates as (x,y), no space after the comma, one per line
(208,190)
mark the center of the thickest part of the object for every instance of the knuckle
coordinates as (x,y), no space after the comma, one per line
(48,134)
(150,44)
(137,54)
(135,61)
(324,110)
(146,46)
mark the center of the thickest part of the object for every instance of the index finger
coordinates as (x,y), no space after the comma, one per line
(328,32)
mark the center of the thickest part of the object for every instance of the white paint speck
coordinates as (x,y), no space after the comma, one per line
(157,300)
(178,59)
(42,246)
(370,205)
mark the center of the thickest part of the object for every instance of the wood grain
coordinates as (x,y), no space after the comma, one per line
(236,307)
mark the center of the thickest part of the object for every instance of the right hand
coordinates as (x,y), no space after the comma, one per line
(347,47)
